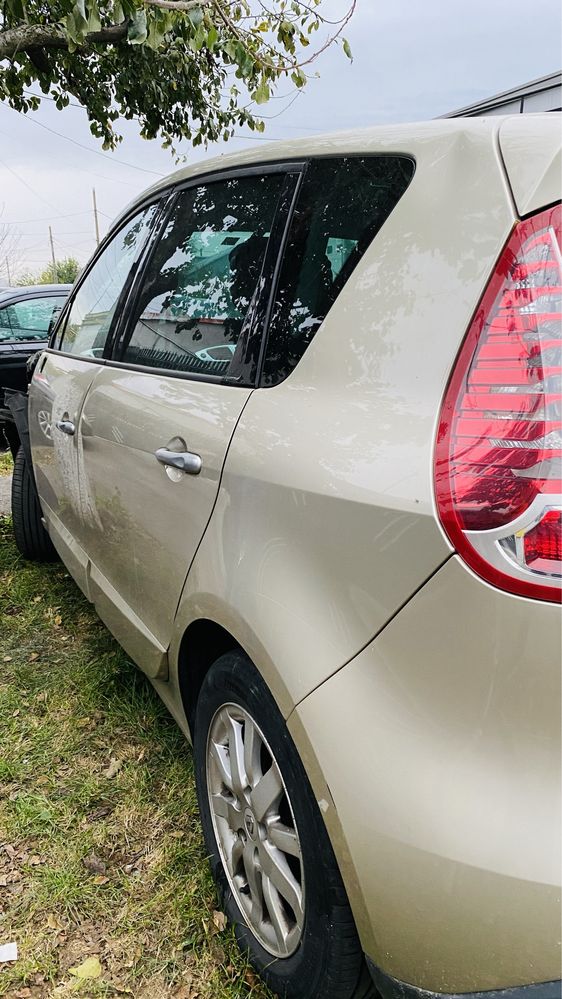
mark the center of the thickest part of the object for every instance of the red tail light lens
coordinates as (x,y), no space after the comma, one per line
(542,545)
(498,461)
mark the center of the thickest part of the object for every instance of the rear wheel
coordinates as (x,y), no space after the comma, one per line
(270,854)
(32,540)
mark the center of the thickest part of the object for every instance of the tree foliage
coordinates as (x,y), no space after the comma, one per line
(64,271)
(187,69)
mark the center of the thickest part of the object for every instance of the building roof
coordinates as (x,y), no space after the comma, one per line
(549,82)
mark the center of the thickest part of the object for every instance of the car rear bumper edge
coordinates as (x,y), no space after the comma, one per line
(390,988)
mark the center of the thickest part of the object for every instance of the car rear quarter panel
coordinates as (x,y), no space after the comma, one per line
(324,524)
(531,149)
(444,786)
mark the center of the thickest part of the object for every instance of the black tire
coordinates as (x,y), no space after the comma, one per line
(32,540)
(328,962)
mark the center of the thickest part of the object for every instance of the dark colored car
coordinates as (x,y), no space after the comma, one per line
(26,314)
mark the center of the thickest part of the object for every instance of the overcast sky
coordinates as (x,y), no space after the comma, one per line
(411,61)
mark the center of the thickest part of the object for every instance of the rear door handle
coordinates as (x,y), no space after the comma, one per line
(186,461)
(66,426)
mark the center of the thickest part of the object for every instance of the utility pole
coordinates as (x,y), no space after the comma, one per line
(55,271)
(8,270)
(96,218)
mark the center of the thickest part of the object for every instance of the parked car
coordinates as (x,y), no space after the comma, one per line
(25,316)
(335,549)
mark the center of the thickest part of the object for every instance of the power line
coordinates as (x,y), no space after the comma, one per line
(47,218)
(29,188)
(45,97)
(88,149)
(63,232)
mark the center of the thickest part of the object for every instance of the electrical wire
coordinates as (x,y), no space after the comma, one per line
(29,187)
(48,218)
(96,152)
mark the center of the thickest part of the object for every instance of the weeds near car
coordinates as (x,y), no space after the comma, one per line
(6,463)
(103,878)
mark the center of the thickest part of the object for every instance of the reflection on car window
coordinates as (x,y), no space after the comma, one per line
(29,319)
(92,310)
(342,205)
(202,276)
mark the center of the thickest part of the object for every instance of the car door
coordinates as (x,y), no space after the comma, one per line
(64,375)
(158,420)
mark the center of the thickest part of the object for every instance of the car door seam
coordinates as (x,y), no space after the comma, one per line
(215,501)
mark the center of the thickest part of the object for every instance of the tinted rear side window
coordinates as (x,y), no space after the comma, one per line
(342,205)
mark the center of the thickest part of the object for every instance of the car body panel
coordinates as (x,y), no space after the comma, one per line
(324,525)
(141,524)
(530,146)
(457,703)
(57,392)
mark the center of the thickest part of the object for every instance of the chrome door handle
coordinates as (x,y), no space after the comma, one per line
(186,461)
(66,426)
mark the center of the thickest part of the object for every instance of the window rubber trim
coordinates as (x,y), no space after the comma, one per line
(277,274)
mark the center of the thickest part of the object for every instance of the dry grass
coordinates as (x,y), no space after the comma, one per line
(100,849)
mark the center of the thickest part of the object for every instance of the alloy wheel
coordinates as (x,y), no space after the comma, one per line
(255,830)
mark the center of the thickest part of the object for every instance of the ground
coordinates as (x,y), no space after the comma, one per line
(104,883)
(5,482)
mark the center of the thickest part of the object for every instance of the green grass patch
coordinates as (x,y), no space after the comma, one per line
(101,854)
(6,463)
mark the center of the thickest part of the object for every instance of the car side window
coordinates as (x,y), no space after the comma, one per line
(29,319)
(89,320)
(342,205)
(5,324)
(202,276)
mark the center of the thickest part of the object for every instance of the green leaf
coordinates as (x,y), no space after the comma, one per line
(195,16)
(18,9)
(137,32)
(263,93)
(347,49)
(80,16)
(94,20)
(298,78)
(159,27)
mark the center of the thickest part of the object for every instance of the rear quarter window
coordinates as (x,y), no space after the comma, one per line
(341,206)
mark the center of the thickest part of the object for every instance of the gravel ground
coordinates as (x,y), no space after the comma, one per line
(5,489)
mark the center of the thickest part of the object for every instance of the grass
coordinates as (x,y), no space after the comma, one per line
(6,463)
(101,855)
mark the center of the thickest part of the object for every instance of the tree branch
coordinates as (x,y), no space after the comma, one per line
(50,36)
(181,5)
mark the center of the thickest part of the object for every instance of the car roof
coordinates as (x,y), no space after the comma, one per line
(25,290)
(403,138)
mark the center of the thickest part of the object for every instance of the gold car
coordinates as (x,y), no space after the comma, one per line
(304,458)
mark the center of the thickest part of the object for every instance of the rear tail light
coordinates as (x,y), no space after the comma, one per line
(498,459)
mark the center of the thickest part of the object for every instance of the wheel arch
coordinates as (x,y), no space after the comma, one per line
(202,643)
